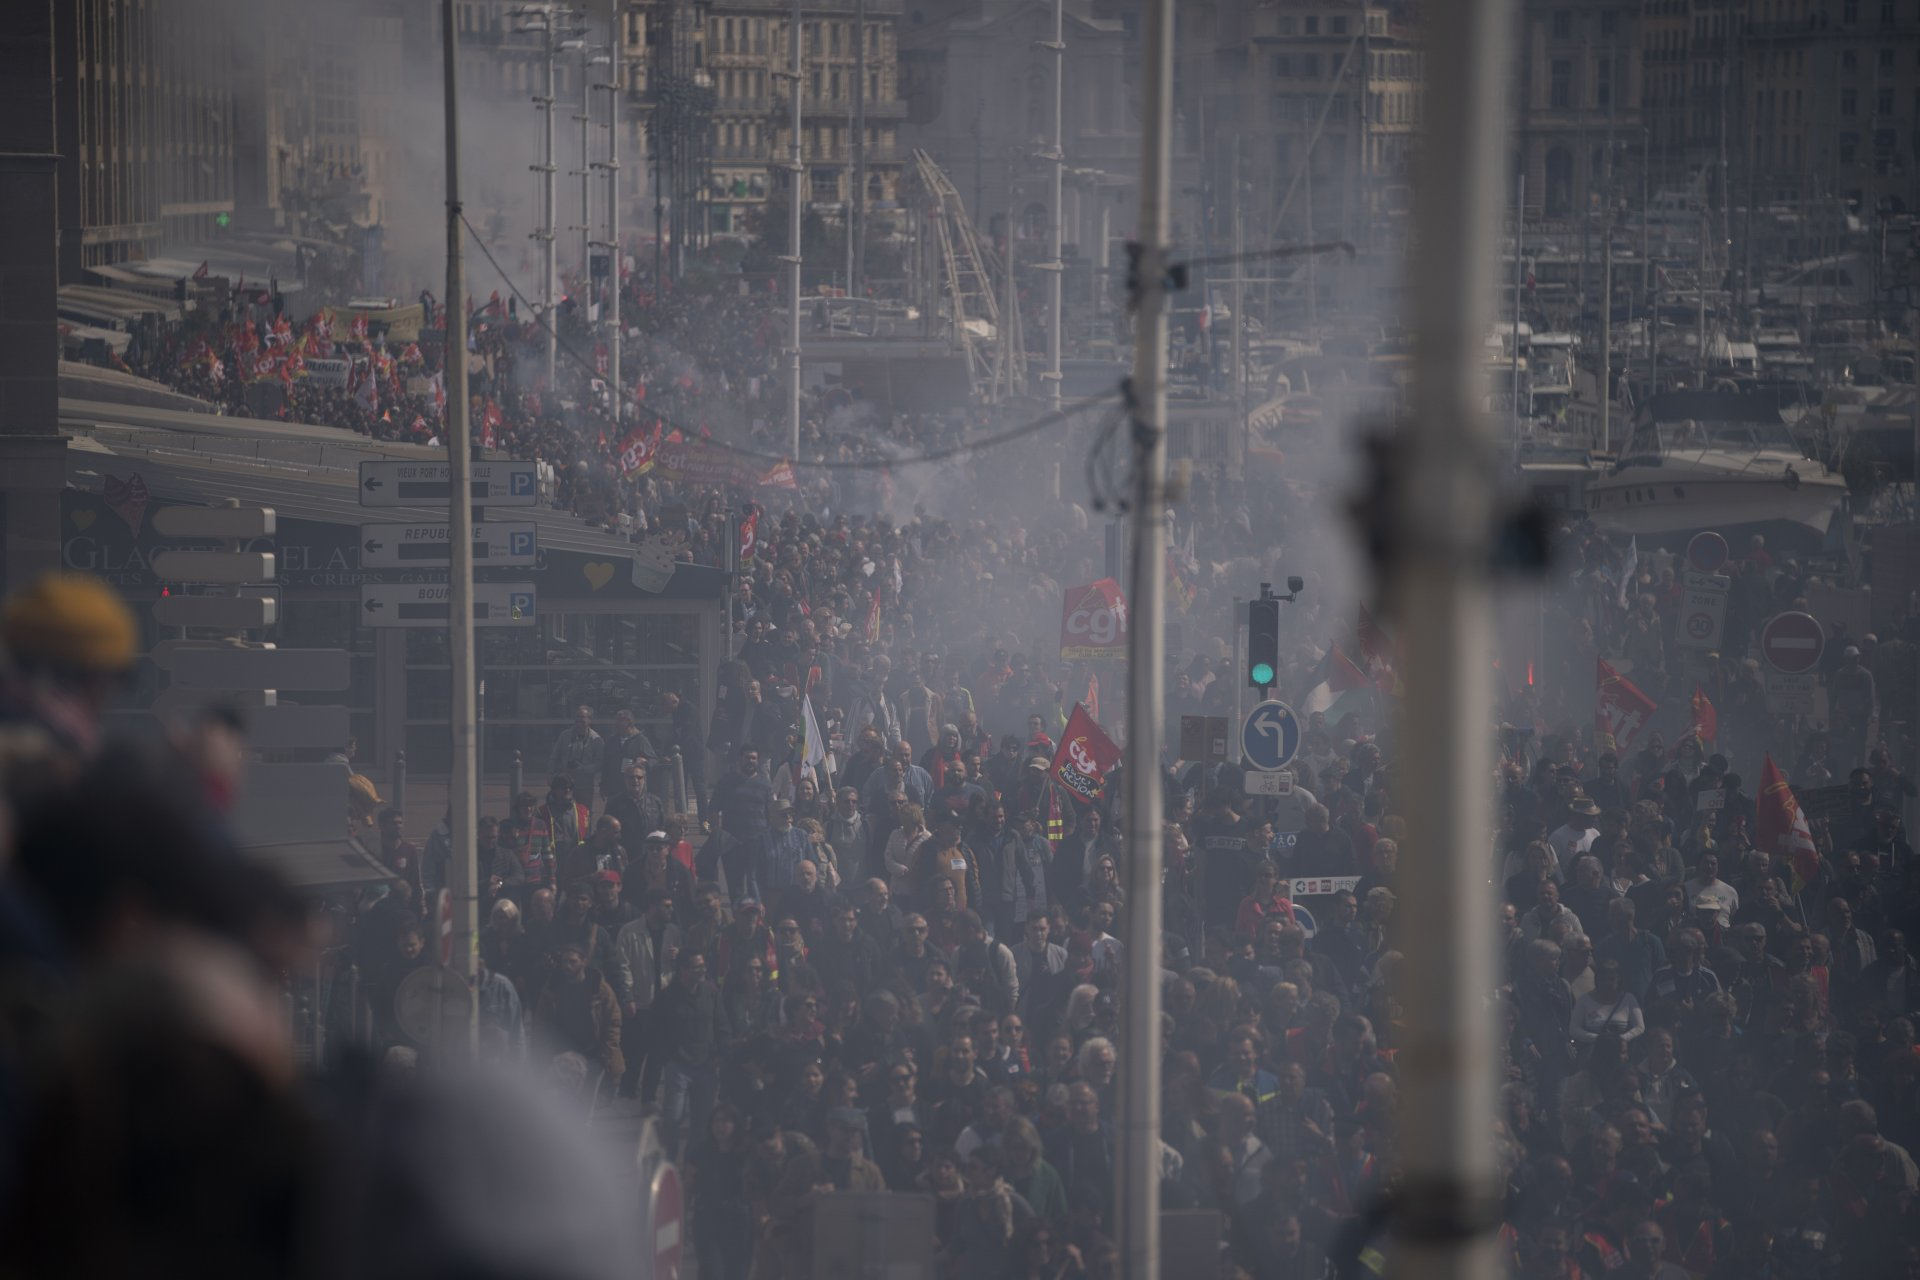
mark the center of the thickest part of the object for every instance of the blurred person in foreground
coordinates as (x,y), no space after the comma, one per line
(70,641)
(160,1102)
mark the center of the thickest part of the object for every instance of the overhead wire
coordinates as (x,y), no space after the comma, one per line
(826,464)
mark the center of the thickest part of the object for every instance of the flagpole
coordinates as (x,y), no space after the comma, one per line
(463,779)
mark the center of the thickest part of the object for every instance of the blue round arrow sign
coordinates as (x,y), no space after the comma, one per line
(1270,738)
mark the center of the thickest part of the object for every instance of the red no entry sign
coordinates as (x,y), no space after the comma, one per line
(1792,642)
(665,1220)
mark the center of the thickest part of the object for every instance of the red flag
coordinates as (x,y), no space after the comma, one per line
(1780,826)
(1706,721)
(1343,675)
(1620,708)
(637,451)
(200,272)
(1092,700)
(489,424)
(873,619)
(1085,757)
(749,534)
(1093,622)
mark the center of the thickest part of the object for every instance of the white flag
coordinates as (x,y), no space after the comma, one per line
(813,750)
(1629,571)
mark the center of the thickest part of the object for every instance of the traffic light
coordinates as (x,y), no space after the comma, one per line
(1263,642)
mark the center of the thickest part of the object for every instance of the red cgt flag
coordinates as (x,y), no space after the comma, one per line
(1706,721)
(637,451)
(1085,757)
(750,534)
(1780,827)
(1620,708)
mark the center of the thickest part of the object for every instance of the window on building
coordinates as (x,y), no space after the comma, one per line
(1282,66)
(833,86)
(1886,13)
(826,185)
(1337,109)
(1603,84)
(1609,25)
(1311,24)
(1310,66)
(1883,104)
(1886,59)
(1339,24)
(1849,60)
(873,85)
(1560,84)
(1849,102)
(1850,12)
(813,38)
(813,83)
(1376,24)
(1849,147)
(833,37)
(1563,24)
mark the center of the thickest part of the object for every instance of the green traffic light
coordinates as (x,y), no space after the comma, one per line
(1262,673)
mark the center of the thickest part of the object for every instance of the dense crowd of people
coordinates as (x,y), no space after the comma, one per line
(881,950)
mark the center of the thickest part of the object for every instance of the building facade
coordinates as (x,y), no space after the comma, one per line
(1578,104)
(144,113)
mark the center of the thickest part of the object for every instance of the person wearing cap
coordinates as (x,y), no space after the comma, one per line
(70,641)
(638,809)
(844,1162)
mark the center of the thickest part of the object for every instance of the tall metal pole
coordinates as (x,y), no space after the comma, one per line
(463,875)
(857,208)
(585,119)
(1056,269)
(616,113)
(550,276)
(1139,1172)
(1439,589)
(1606,341)
(1519,271)
(1239,301)
(798,169)
(1700,302)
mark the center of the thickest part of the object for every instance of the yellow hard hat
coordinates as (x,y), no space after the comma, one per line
(70,620)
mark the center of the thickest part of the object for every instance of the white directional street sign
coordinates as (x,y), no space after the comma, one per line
(1270,738)
(425,604)
(410,484)
(415,546)
(1267,783)
(271,726)
(216,567)
(195,664)
(229,613)
(214,522)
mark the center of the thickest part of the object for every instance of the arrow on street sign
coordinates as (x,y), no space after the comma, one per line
(504,544)
(408,484)
(425,604)
(1270,738)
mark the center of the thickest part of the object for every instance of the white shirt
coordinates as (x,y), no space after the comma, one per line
(1723,895)
(1570,841)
